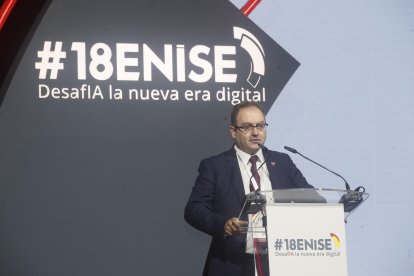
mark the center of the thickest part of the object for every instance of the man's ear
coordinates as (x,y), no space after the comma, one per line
(232,131)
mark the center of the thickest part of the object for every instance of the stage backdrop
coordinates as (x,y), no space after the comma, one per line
(113,104)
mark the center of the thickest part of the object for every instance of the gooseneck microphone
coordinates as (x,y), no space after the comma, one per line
(352,199)
(292,150)
(264,157)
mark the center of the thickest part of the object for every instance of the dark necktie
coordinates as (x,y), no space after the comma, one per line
(255,174)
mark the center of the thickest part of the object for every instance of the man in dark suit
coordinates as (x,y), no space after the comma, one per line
(217,196)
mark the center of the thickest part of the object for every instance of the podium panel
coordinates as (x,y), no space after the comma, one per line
(299,231)
(306,239)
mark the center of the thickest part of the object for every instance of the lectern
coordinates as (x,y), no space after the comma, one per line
(299,231)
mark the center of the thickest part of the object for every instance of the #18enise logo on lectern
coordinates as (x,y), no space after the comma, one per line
(308,247)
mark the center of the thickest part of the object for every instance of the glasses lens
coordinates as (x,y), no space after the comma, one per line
(249,127)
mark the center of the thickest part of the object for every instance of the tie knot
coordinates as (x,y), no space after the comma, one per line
(253,159)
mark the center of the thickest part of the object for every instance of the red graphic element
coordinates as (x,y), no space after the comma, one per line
(249,6)
(5,10)
(259,266)
(334,236)
(336,240)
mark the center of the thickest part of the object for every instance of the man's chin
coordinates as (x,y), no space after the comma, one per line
(253,149)
(255,145)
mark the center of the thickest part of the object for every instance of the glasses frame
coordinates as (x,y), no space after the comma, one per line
(249,128)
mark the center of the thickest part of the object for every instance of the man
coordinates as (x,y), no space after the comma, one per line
(217,196)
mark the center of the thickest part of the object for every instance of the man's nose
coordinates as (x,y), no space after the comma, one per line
(255,132)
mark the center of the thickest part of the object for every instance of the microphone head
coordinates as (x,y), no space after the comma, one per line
(262,146)
(292,150)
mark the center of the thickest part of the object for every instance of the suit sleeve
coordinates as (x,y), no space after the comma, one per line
(199,211)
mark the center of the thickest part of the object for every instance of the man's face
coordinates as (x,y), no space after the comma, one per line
(248,141)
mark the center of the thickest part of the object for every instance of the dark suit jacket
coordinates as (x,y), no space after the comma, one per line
(218,195)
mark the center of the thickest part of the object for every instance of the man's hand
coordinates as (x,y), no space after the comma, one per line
(234,226)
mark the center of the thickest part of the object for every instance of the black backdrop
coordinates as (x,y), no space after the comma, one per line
(98,186)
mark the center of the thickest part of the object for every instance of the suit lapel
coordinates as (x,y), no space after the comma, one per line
(233,170)
(271,167)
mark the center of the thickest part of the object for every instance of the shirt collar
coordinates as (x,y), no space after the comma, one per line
(245,156)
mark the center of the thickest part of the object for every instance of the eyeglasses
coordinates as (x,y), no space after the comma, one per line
(247,128)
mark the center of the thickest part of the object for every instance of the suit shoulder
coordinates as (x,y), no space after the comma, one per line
(277,154)
(220,157)
(280,157)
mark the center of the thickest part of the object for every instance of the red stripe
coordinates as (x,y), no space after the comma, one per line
(250,6)
(259,266)
(5,10)
(333,235)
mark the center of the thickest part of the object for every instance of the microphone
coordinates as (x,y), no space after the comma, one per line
(292,150)
(350,200)
(262,146)
(264,156)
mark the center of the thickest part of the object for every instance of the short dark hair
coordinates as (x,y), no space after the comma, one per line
(236,109)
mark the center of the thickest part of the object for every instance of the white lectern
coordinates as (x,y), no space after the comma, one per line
(299,231)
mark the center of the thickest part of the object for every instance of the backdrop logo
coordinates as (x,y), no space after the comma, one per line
(255,50)
(139,62)
(165,62)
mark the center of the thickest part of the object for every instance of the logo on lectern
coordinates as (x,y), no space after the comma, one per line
(308,247)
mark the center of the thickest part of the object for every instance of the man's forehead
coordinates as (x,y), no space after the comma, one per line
(250,113)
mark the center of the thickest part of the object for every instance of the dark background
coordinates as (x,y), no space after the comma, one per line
(98,187)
